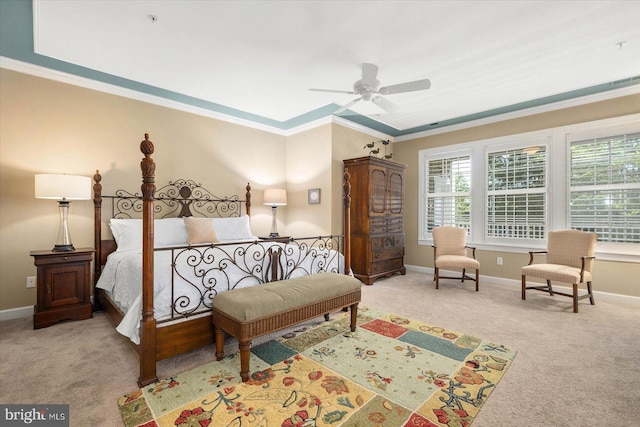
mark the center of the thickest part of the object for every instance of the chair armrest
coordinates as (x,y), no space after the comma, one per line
(532,253)
(473,250)
(584,263)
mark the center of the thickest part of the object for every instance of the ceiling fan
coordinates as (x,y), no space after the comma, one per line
(368,88)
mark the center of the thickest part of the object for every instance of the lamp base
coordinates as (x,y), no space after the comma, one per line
(274,235)
(63,248)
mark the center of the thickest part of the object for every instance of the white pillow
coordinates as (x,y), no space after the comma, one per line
(169,232)
(128,233)
(233,229)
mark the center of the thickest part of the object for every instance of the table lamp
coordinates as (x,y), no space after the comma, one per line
(275,197)
(63,188)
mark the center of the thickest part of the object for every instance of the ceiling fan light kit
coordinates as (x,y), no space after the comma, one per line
(368,88)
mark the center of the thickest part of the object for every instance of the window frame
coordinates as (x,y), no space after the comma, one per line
(424,185)
(517,144)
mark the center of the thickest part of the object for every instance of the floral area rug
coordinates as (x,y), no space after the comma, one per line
(392,371)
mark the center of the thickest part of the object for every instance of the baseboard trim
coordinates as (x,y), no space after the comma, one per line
(490,280)
(16,313)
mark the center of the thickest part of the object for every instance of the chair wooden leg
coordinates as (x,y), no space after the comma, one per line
(550,288)
(524,287)
(435,276)
(593,302)
(575,297)
(463,273)
(477,279)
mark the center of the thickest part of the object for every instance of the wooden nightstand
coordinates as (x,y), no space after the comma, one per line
(281,239)
(63,286)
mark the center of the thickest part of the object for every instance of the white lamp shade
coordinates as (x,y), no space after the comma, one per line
(275,197)
(63,187)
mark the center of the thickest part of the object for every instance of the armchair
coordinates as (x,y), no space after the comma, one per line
(450,251)
(569,259)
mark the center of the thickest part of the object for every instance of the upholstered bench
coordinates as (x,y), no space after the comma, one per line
(257,310)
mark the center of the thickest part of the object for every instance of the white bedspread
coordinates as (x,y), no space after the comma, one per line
(199,274)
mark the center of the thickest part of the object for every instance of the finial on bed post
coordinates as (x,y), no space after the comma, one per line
(97,234)
(347,220)
(247,198)
(148,327)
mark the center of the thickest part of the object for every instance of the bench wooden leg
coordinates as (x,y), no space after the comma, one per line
(219,344)
(354,316)
(245,351)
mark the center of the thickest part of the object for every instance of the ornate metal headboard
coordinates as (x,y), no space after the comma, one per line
(179,198)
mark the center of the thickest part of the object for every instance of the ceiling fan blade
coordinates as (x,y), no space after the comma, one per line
(369,74)
(385,104)
(423,84)
(346,106)
(350,92)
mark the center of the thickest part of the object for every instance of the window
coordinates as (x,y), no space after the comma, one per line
(517,193)
(448,192)
(605,187)
(511,190)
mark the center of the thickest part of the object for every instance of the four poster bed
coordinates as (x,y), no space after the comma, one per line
(174,248)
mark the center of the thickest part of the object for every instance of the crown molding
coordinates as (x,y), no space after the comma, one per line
(72,79)
(574,102)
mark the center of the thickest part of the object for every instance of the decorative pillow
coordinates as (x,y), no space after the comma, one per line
(233,228)
(127,233)
(200,230)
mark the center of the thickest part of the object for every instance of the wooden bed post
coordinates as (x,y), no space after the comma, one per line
(347,221)
(148,326)
(97,236)
(247,198)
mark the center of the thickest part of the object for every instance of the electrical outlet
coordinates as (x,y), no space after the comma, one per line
(499,260)
(31,282)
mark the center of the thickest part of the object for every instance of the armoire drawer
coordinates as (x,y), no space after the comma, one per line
(389,264)
(389,241)
(377,225)
(382,254)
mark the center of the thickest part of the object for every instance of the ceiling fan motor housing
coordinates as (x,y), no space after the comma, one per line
(364,90)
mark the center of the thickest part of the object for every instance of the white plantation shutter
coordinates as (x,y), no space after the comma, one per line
(605,187)
(517,193)
(448,192)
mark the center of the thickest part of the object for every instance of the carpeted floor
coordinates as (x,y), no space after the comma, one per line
(392,371)
(571,369)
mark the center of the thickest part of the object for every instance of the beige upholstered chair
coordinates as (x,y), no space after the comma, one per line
(569,259)
(450,251)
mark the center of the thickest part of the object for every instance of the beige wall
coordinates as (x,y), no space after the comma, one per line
(614,277)
(308,166)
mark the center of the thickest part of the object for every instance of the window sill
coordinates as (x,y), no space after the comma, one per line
(603,255)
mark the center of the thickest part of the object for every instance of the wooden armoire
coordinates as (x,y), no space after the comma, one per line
(377,210)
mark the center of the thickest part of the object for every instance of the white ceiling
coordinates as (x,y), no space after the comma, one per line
(261,57)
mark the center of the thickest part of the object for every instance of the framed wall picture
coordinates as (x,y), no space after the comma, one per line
(314,196)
